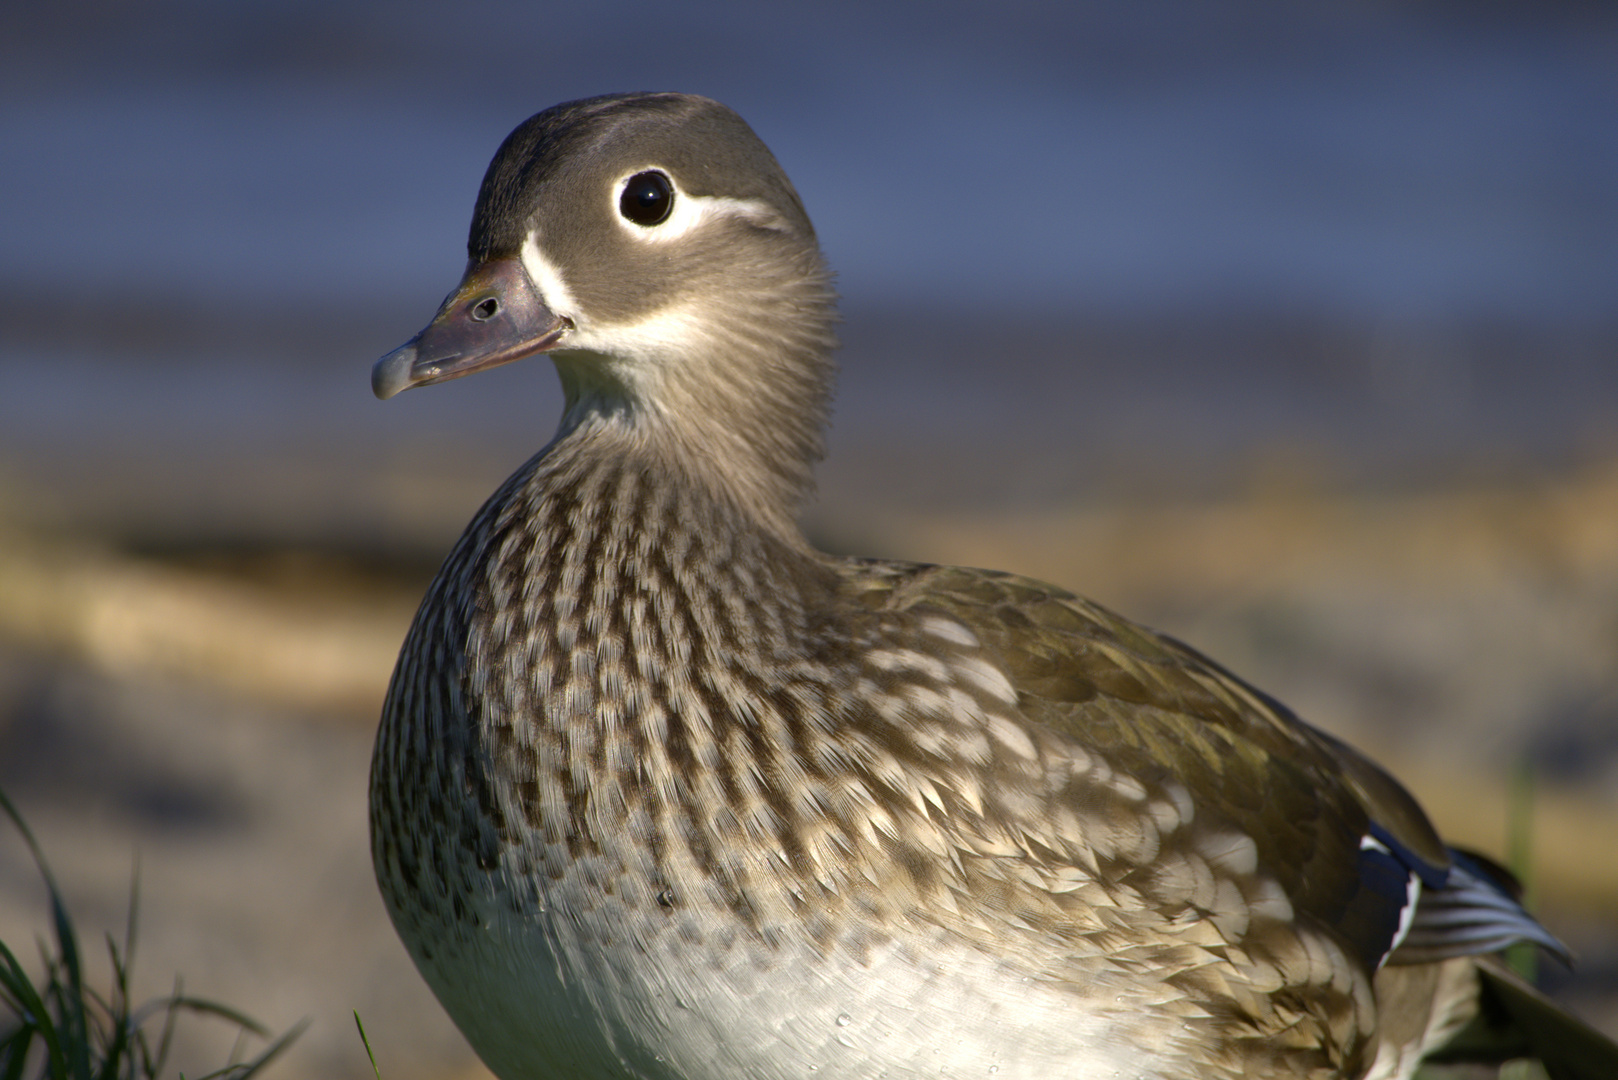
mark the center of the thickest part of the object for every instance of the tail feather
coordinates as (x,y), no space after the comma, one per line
(1472,913)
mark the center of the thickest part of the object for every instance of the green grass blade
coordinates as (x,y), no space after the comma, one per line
(14,1051)
(34,1013)
(166,1040)
(1522,958)
(119,1030)
(366,1042)
(244,1070)
(133,921)
(85,1035)
(75,1042)
(274,1050)
(74,1015)
(224,1012)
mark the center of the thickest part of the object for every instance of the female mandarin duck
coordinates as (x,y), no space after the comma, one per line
(662,792)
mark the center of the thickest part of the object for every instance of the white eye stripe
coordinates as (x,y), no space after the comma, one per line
(670,331)
(548,280)
(689,211)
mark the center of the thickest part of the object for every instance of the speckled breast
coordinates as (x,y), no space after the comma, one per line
(638,810)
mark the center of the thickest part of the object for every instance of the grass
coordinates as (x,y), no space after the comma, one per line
(366,1040)
(57,1027)
(1524,956)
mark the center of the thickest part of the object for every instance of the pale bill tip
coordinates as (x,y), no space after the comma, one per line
(393,372)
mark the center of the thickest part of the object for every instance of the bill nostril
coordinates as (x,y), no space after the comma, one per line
(485,309)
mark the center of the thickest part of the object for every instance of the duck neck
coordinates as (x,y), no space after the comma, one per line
(598,533)
(730,399)
(630,489)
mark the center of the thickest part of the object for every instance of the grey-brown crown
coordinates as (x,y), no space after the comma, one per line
(714,151)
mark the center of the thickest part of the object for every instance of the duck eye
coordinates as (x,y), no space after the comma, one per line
(648,198)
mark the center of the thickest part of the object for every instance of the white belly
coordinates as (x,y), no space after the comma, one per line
(620,991)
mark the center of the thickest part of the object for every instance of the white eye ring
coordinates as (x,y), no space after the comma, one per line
(685,212)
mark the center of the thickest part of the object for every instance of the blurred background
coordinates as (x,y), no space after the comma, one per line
(1287,328)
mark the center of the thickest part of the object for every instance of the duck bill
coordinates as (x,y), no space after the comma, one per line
(494,317)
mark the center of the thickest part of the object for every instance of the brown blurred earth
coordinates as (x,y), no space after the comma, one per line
(207,710)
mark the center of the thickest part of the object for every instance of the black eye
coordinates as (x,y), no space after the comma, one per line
(647,199)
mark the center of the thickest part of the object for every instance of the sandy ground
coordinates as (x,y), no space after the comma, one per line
(211,715)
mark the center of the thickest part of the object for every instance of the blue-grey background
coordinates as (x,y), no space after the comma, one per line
(1082,246)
